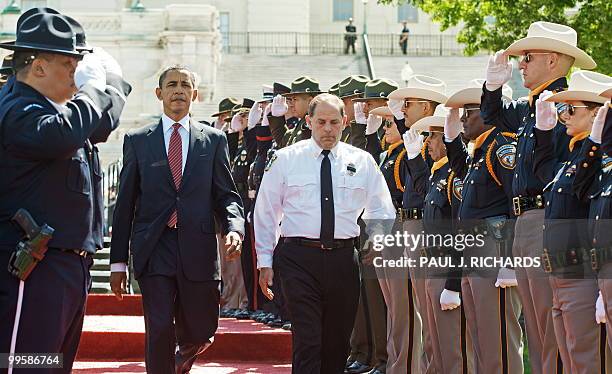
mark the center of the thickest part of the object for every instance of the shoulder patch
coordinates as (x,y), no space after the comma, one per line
(270,162)
(457,188)
(32,106)
(606,163)
(506,155)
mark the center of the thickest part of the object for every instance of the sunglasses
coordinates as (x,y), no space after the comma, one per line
(528,57)
(407,102)
(570,109)
(466,111)
(387,124)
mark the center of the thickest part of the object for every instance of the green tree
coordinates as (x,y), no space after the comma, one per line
(491,25)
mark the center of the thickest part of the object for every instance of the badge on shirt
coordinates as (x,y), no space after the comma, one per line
(506,155)
(441,185)
(350,169)
(269,164)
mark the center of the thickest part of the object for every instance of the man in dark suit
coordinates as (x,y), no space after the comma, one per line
(174,183)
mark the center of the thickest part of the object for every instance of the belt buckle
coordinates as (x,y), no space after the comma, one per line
(539,201)
(323,247)
(594,260)
(516,205)
(402,215)
(546,261)
(423,252)
(414,213)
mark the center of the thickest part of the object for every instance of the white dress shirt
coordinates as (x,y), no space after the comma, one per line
(290,195)
(167,123)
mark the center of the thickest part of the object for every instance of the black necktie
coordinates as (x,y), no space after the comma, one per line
(327,202)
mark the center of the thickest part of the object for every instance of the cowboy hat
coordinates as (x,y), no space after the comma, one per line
(606,93)
(472,94)
(552,37)
(383,111)
(422,87)
(433,123)
(584,85)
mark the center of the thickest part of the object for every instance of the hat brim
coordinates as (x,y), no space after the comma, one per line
(349,96)
(7,71)
(425,124)
(363,99)
(13,47)
(565,96)
(264,100)
(582,59)
(220,113)
(418,93)
(302,93)
(606,93)
(470,95)
(382,111)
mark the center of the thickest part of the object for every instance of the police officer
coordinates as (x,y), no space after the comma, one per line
(548,52)
(566,242)
(443,314)
(224,111)
(48,123)
(490,300)
(350,37)
(349,88)
(292,104)
(319,187)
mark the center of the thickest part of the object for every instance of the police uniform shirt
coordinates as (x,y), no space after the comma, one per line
(519,117)
(291,189)
(394,166)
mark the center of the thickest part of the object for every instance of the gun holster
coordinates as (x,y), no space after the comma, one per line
(32,249)
(499,228)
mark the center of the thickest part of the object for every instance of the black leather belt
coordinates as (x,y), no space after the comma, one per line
(316,243)
(600,257)
(408,214)
(521,204)
(564,258)
(78,252)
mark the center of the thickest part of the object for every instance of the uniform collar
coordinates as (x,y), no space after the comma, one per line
(482,138)
(577,138)
(438,164)
(393,147)
(316,150)
(57,106)
(167,122)
(557,84)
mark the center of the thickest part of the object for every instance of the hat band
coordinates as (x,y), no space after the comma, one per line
(44,47)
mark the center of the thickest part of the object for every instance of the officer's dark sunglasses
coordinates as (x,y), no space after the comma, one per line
(528,57)
(407,102)
(569,108)
(466,111)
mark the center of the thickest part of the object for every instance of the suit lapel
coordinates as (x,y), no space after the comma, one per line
(195,149)
(158,150)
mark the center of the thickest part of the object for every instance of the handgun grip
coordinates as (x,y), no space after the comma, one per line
(27,223)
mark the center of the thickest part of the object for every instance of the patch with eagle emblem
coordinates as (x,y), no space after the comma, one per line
(506,155)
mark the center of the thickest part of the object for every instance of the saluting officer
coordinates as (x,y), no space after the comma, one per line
(49,122)
(566,242)
(349,88)
(492,306)
(316,190)
(548,52)
(442,313)
(224,110)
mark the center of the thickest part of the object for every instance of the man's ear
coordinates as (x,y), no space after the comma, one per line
(307,118)
(158,93)
(38,68)
(194,96)
(344,120)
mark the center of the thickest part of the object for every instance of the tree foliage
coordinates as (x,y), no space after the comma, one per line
(491,25)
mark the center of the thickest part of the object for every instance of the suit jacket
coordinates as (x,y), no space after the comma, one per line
(49,164)
(147,196)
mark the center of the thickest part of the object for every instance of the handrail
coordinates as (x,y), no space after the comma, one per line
(368,57)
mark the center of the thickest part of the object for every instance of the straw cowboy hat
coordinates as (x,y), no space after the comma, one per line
(607,93)
(552,37)
(433,123)
(473,93)
(383,111)
(422,87)
(584,86)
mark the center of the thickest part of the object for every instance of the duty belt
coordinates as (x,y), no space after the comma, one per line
(78,252)
(522,204)
(408,214)
(316,243)
(600,256)
(565,258)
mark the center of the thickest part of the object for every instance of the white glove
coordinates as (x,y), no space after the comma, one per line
(264,119)
(237,123)
(449,300)
(359,115)
(279,106)
(110,64)
(600,310)
(506,278)
(452,125)
(396,106)
(413,142)
(546,112)
(598,123)
(90,71)
(499,71)
(254,116)
(373,124)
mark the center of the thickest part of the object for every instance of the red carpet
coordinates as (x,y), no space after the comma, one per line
(113,342)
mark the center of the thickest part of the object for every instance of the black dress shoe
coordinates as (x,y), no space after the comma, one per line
(242,314)
(357,368)
(376,371)
(286,326)
(277,322)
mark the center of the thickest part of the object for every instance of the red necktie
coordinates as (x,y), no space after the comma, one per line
(175,159)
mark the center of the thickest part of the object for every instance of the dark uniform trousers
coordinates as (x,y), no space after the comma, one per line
(323,300)
(195,310)
(53,307)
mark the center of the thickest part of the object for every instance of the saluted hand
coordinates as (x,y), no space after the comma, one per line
(449,300)
(373,124)
(90,70)
(279,106)
(233,245)
(396,106)
(254,115)
(238,122)
(266,275)
(598,123)
(452,125)
(359,114)
(499,70)
(413,142)
(264,119)
(546,112)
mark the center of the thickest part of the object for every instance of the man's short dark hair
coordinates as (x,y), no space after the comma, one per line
(327,98)
(162,76)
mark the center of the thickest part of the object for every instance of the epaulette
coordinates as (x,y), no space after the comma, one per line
(424,148)
(449,187)
(396,170)
(509,135)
